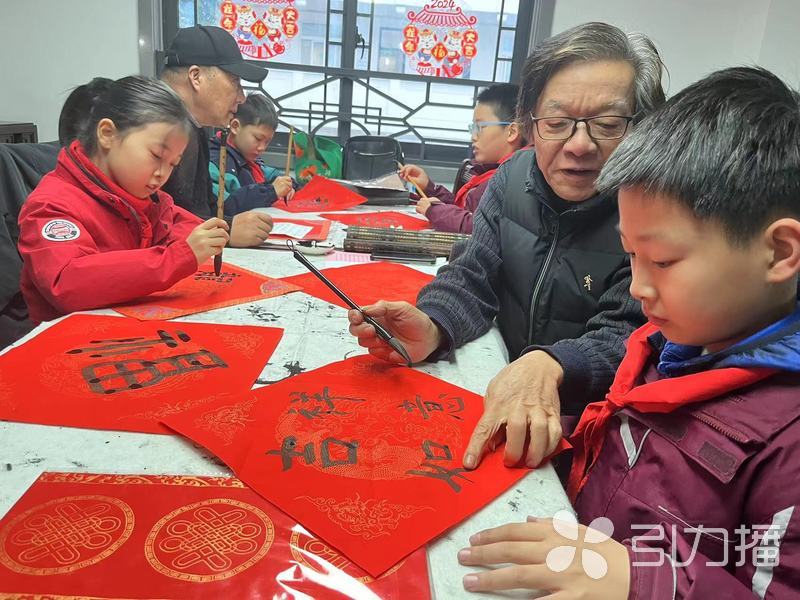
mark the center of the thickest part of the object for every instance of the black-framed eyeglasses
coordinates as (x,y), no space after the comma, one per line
(476,127)
(603,127)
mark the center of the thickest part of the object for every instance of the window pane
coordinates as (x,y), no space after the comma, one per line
(506,49)
(186,13)
(363,43)
(510,13)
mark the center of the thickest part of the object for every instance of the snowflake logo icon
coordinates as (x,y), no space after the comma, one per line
(561,557)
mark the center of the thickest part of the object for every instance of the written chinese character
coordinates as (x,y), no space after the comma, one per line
(450,406)
(438,452)
(313,406)
(289,452)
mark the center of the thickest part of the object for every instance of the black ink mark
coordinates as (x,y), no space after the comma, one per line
(262,314)
(223,277)
(294,368)
(101,348)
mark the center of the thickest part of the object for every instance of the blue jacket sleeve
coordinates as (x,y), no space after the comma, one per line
(239,198)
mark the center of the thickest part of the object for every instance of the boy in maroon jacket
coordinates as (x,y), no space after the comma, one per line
(495,137)
(691,463)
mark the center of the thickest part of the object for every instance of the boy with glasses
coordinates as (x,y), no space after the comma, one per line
(495,137)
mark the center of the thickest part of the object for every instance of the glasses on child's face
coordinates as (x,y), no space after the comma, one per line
(604,127)
(476,127)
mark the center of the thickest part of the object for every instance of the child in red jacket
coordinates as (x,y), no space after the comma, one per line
(688,473)
(97,231)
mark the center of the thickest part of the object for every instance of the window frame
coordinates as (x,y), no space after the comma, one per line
(534,23)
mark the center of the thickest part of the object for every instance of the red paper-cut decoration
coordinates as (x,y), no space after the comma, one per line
(440,40)
(117,373)
(205,291)
(163,536)
(319,233)
(380,219)
(261,28)
(321,194)
(365,283)
(365,454)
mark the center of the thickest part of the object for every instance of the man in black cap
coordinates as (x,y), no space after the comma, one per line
(205,68)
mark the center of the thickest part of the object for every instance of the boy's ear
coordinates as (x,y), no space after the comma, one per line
(514,137)
(106,132)
(783,238)
(235,126)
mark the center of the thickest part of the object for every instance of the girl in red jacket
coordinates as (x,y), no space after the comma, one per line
(97,231)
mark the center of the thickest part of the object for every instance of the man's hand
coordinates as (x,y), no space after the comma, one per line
(423,204)
(250,228)
(418,174)
(208,239)
(521,402)
(413,328)
(531,556)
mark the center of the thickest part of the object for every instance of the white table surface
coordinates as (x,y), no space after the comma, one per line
(315,334)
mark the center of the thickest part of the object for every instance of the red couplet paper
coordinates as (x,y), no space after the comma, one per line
(321,194)
(206,291)
(78,535)
(365,283)
(386,219)
(365,454)
(319,229)
(116,373)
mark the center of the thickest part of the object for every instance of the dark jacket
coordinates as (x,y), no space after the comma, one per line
(86,243)
(189,185)
(449,217)
(242,193)
(553,273)
(21,168)
(727,463)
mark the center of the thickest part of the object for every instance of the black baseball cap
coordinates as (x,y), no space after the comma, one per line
(206,45)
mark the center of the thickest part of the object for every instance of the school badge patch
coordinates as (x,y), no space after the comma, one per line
(60,230)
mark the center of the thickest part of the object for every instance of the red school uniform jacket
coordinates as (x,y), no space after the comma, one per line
(86,243)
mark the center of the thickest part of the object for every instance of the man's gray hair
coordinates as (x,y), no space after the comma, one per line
(592,42)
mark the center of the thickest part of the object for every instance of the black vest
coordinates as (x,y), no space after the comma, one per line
(555,266)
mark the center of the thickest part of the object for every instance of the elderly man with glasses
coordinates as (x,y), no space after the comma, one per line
(545,258)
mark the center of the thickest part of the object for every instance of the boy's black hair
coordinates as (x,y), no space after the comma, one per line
(727,147)
(257,110)
(77,108)
(502,97)
(133,102)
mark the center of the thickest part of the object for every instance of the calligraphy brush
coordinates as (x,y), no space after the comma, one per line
(379,329)
(289,150)
(223,157)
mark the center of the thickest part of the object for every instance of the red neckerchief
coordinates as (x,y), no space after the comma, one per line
(660,396)
(97,182)
(256,171)
(461,195)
